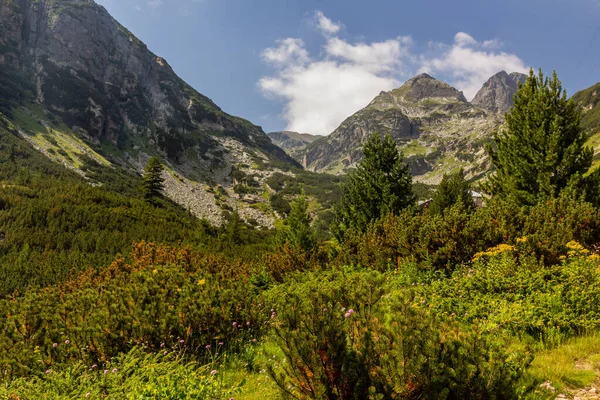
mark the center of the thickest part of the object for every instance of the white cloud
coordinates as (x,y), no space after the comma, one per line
(288,52)
(321,91)
(468,63)
(327,26)
(376,57)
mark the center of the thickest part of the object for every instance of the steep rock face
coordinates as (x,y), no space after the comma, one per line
(432,122)
(497,93)
(292,142)
(589,102)
(74,59)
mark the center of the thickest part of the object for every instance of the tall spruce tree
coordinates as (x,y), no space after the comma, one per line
(297,231)
(152,181)
(380,185)
(452,189)
(542,150)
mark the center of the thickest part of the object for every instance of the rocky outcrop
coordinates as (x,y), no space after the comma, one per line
(498,92)
(588,101)
(435,126)
(292,142)
(74,59)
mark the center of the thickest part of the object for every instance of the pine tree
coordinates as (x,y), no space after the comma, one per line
(152,181)
(297,232)
(380,185)
(234,231)
(452,189)
(542,150)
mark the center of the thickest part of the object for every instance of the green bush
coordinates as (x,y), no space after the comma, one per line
(345,336)
(444,242)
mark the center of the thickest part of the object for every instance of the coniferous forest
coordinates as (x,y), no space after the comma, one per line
(114,291)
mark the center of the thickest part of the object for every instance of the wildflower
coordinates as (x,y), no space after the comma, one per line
(162,345)
(201,282)
(54,344)
(47,371)
(452,315)
(214,371)
(94,366)
(165,353)
(105,371)
(87,394)
(349,313)
(67,341)
(234,324)
(114,371)
(220,343)
(207,346)
(248,323)
(181,341)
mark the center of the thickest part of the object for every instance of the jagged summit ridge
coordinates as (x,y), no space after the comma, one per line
(424,86)
(497,93)
(432,122)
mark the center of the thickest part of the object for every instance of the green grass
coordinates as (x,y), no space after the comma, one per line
(257,384)
(414,148)
(572,365)
(61,144)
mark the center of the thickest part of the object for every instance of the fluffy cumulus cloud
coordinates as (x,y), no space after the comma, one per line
(320,91)
(327,26)
(468,63)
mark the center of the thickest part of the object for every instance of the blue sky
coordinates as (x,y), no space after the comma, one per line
(307,64)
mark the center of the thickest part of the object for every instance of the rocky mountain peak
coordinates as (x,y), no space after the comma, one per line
(424,86)
(497,93)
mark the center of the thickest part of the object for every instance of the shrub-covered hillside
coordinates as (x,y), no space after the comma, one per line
(113,293)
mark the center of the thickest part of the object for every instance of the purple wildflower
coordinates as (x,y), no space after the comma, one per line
(114,371)
(47,371)
(220,343)
(54,344)
(207,347)
(67,341)
(105,371)
(234,324)
(181,341)
(213,372)
(94,366)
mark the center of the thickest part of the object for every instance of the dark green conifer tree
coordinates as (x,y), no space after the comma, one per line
(452,189)
(542,150)
(234,230)
(152,181)
(380,185)
(297,231)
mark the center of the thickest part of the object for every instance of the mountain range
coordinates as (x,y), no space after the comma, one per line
(83,90)
(436,127)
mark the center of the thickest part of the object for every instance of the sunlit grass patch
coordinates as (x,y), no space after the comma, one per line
(572,365)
